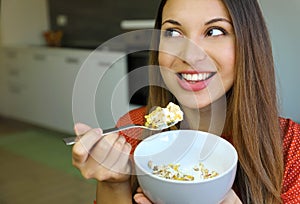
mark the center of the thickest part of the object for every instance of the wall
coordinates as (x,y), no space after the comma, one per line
(88,21)
(0,23)
(23,21)
(92,22)
(283,21)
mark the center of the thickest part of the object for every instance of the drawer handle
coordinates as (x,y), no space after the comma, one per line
(11,54)
(16,89)
(39,57)
(72,60)
(14,72)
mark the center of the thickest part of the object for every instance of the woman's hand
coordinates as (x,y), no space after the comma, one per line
(140,197)
(102,158)
(231,198)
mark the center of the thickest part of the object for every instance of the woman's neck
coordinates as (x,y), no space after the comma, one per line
(209,119)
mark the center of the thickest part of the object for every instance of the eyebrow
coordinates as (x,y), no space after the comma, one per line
(218,19)
(172,22)
(207,23)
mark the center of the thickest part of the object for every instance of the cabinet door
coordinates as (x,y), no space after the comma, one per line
(60,80)
(111,100)
(64,86)
(16,83)
(101,91)
(3,82)
(52,87)
(41,90)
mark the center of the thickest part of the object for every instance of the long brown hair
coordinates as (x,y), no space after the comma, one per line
(252,115)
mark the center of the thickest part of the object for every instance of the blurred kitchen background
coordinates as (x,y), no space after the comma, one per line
(37,79)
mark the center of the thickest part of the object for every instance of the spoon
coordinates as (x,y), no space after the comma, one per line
(72,140)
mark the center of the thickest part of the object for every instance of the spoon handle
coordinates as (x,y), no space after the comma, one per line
(72,140)
(117,129)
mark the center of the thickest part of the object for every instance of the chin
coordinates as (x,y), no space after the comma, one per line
(194,102)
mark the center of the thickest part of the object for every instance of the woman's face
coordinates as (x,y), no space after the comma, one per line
(197,51)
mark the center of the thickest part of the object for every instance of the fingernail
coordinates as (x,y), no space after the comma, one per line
(79,127)
(76,128)
(137,200)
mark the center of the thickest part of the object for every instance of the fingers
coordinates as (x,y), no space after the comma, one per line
(231,198)
(139,190)
(104,158)
(104,150)
(79,153)
(123,160)
(84,145)
(112,158)
(140,197)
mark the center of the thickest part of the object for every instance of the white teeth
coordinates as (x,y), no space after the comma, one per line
(196,77)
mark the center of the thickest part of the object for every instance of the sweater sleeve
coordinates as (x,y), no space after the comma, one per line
(132,136)
(291,149)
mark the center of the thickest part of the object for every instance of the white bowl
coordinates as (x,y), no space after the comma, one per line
(184,147)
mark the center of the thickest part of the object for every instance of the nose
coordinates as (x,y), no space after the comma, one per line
(192,53)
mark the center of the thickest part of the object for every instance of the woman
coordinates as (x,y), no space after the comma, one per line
(230,57)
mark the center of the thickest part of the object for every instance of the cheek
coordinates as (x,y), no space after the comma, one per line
(162,61)
(231,59)
(229,62)
(224,53)
(226,62)
(231,55)
(165,60)
(227,72)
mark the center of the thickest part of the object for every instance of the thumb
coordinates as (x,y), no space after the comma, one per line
(81,128)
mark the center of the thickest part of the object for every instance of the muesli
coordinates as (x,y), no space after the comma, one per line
(174,172)
(164,116)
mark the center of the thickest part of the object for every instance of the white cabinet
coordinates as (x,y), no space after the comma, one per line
(51,88)
(101,90)
(58,80)
(40,82)
(3,84)
(15,87)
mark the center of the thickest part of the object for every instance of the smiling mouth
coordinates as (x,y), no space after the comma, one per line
(195,77)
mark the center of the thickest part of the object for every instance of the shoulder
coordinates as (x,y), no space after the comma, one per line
(291,151)
(291,134)
(289,126)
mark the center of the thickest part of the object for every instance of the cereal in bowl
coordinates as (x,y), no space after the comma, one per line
(175,172)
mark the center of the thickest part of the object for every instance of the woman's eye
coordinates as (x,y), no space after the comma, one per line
(215,32)
(171,33)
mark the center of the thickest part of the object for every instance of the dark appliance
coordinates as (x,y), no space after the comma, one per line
(137,60)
